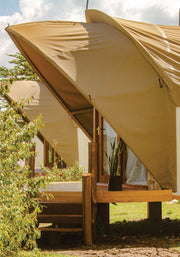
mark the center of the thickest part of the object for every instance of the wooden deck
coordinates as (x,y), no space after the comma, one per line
(66,208)
(113,196)
(134,196)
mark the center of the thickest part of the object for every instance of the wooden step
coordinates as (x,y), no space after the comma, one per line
(61,208)
(60,219)
(66,230)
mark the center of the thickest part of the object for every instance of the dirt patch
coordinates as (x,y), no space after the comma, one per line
(126,246)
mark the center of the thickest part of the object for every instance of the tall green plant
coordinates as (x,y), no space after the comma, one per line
(18,190)
(113,159)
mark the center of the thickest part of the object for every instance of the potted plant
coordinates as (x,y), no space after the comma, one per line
(115,181)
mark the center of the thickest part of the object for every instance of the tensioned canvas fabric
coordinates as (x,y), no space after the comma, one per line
(128,71)
(59,128)
(158,43)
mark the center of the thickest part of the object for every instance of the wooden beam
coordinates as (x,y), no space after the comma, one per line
(87,216)
(82,111)
(134,196)
(65,230)
(60,219)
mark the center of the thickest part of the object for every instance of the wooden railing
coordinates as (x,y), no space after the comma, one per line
(58,209)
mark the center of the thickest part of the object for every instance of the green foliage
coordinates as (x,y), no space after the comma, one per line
(21,69)
(18,190)
(73,173)
(113,159)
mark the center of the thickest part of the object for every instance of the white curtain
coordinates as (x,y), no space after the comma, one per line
(136,173)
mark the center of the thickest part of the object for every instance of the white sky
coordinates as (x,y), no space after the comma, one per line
(20,11)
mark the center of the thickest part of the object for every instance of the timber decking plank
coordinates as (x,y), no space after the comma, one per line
(177,197)
(134,196)
(113,196)
(63,219)
(61,229)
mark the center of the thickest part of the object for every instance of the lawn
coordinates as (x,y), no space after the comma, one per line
(138,211)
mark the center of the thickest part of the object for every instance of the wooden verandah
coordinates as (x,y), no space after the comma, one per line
(83,208)
(91,203)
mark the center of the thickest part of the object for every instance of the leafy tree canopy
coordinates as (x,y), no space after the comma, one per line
(21,69)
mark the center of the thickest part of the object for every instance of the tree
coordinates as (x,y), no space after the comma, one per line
(19,192)
(21,69)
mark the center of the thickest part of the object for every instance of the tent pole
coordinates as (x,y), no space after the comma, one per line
(87,3)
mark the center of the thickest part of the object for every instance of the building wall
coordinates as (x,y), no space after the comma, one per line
(39,160)
(83,149)
(178,147)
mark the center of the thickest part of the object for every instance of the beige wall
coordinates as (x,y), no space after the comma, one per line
(83,149)
(40,154)
(178,147)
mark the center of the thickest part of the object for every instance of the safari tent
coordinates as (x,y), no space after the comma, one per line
(59,130)
(129,72)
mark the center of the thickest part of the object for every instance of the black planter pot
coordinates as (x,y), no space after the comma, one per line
(115,183)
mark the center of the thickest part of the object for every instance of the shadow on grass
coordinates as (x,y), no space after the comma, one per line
(166,227)
(143,233)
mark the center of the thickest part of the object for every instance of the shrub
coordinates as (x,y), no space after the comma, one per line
(73,173)
(18,191)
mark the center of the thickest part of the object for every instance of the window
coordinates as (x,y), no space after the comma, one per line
(50,157)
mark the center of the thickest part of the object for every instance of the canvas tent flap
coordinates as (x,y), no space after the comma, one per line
(43,52)
(59,130)
(94,64)
(158,43)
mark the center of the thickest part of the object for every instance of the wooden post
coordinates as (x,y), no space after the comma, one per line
(103,216)
(93,171)
(93,168)
(86,201)
(154,211)
(31,162)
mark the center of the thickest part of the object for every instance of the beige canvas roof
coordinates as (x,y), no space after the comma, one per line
(59,128)
(129,71)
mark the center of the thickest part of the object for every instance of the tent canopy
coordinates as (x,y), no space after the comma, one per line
(59,128)
(129,71)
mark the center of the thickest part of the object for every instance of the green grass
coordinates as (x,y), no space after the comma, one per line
(170,210)
(42,254)
(127,211)
(137,211)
